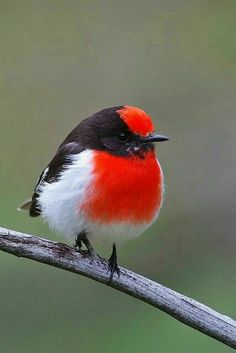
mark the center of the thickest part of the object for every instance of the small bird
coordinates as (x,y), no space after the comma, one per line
(104,181)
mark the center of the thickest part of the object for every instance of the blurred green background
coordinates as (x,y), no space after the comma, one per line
(63,60)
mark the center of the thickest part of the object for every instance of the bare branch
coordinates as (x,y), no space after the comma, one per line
(184,309)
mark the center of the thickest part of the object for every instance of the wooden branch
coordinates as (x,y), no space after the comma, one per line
(182,308)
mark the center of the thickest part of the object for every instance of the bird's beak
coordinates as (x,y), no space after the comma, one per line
(154,137)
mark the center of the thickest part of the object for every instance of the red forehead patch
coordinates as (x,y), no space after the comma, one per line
(137,120)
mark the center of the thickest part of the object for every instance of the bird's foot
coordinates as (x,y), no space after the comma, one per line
(77,245)
(85,253)
(112,264)
(81,238)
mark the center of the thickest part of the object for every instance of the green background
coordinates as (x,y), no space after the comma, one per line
(63,60)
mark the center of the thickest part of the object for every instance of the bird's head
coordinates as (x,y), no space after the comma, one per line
(122,131)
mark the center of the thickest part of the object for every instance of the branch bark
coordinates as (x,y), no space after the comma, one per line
(182,308)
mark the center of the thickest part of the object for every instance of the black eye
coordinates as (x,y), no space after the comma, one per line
(123,137)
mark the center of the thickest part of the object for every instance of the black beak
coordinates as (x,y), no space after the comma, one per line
(154,137)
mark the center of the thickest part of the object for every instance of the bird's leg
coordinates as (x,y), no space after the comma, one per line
(112,263)
(82,238)
(78,243)
(88,244)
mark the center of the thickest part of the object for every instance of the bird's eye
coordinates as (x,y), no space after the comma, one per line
(123,137)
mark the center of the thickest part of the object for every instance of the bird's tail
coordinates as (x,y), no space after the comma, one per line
(25,206)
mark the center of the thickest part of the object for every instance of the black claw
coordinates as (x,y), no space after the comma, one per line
(88,246)
(112,264)
(81,238)
(77,244)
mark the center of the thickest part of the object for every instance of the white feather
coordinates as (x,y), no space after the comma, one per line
(60,201)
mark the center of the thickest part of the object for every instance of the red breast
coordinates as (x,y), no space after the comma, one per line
(124,189)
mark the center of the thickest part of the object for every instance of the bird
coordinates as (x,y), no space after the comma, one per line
(104,182)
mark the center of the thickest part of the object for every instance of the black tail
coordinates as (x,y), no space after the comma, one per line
(31,206)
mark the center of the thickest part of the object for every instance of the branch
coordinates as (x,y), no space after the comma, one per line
(182,308)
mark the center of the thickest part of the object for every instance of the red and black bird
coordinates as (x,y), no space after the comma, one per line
(104,181)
